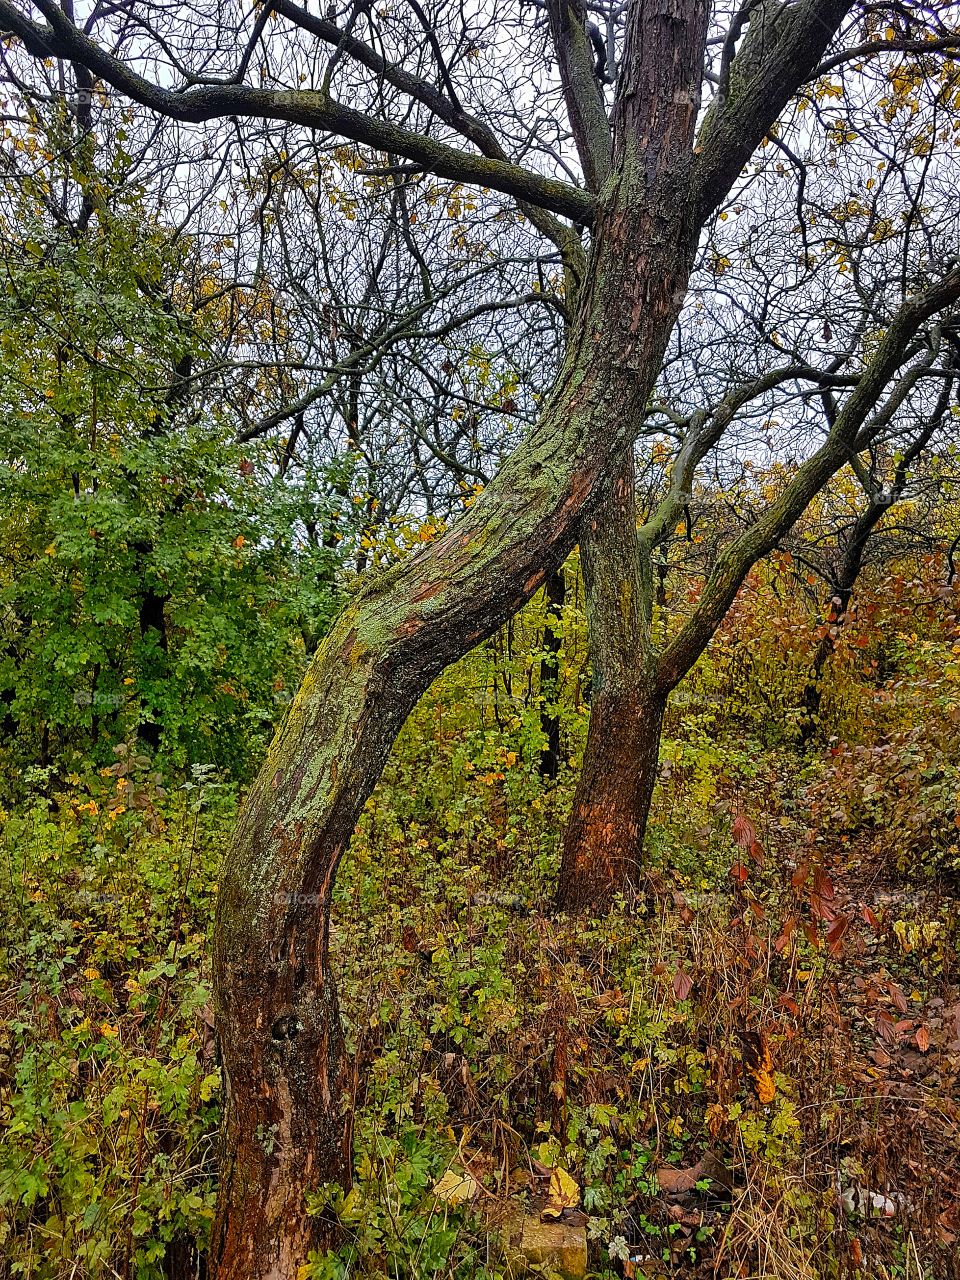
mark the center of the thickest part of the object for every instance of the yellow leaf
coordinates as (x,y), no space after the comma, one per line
(760,1066)
(766,1089)
(564,1193)
(456,1187)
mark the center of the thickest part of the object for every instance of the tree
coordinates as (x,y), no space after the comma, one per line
(804,310)
(285,1127)
(147,581)
(889,478)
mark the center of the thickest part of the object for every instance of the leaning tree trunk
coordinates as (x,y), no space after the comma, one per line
(286,1131)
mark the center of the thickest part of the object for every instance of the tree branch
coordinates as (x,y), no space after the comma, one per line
(581,90)
(309,108)
(763,78)
(846,435)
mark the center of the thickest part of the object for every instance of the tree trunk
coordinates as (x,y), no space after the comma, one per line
(835,615)
(153,637)
(285,1129)
(603,839)
(604,835)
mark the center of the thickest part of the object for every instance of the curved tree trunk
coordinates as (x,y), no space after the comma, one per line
(285,1129)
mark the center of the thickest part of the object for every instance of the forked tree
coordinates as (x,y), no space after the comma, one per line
(286,1130)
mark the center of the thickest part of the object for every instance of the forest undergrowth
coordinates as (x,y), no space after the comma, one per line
(750,1070)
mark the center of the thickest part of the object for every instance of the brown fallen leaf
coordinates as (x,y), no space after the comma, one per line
(574,1218)
(674,1182)
(898,998)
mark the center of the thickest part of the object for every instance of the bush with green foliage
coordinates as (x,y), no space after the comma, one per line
(155,576)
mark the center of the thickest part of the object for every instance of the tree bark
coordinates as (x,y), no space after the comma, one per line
(603,838)
(604,834)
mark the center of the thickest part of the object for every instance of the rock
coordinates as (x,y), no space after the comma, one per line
(561,1245)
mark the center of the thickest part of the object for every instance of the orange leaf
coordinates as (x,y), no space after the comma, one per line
(759,1063)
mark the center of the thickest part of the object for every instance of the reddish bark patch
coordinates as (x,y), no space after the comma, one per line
(581,484)
(427,591)
(410,626)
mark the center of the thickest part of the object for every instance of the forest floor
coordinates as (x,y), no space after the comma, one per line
(751,1072)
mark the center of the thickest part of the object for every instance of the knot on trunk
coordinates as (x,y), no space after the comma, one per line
(286,1027)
